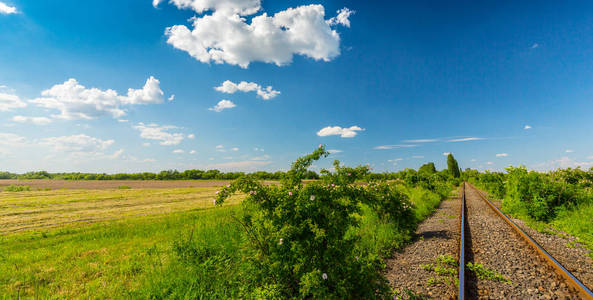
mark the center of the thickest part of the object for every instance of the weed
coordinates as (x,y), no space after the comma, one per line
(484,273)
(124,187)
(17,188)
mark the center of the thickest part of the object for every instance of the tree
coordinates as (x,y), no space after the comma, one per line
(452,166)
(428,168)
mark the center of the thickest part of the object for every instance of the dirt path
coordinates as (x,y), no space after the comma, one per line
(436,236)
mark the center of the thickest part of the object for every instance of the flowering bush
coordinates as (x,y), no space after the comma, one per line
(299,241)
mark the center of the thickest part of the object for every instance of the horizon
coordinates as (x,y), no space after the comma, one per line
(146,86)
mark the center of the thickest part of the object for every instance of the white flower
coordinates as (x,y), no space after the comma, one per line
(312,197)
(324,276)
(280,243)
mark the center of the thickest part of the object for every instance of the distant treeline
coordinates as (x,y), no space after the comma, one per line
(409,175)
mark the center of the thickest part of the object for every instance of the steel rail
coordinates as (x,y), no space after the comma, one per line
(461,292)
(584,292)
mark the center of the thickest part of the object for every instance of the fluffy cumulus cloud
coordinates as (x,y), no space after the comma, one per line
(74,101)
(32,120)
(9,102)
(11,140)
(502,154)
(178,151)
(349,132)
(222,105)
(6,9)
(527,127)
(230,87)
(160,133)
(343,17)
(76,143)
(226,35)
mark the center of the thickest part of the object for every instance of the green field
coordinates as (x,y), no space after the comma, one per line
(131,250)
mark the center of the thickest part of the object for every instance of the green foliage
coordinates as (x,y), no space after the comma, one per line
(124,187)
(484,273)
(298,236)
(428,168)
(445,270)
(452,166)
(17,188)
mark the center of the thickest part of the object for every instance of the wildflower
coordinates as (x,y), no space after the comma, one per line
(217,192)
(289,193)
(349,174)
(320,145)
(356,258)
(251,192)
(333,185)
(228,185)
(312,197)
(280,243)
(214,201)
(324,276)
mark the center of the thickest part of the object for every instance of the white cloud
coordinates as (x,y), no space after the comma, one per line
(145,144)
(241,7)
(333,151)
(11,140)
(342,132)
(74,101)
(394,161)
(389,147)
(192,152)
(191,136)
(535,45)
(219,147)
(590,157)
(489,163)
(33,120)
(527,127)
(9,102)
(562,163)
(466,139)
(76,143)
(235,149)
(417,156)
(421,141)
(343,17)
(178,151)
(7,10)
(473,160)
(446,153)
(569,151)
(159,133)
(502,154)
(258,149)
(117,154)
(225,36)
(230,87)
(222,105)
(123,121)
(156,3)
(261,158)
(171,98)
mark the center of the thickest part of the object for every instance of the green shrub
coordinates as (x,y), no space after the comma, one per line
(17,188)
(124,187)
(299,237)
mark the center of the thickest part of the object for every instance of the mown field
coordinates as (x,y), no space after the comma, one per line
(122,243)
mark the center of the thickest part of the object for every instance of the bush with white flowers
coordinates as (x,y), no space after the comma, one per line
(299,242)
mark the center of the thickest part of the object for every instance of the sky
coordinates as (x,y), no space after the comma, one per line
(246,85)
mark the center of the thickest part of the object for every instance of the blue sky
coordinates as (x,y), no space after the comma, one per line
(86,86)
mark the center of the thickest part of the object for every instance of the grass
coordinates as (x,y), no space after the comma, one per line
(578,223)
(484,273)
(133,243)
(105,260)
(17,188)
(42,209)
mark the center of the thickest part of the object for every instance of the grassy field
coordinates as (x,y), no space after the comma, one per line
(122,243)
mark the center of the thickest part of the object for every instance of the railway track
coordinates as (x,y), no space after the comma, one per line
(506,262)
